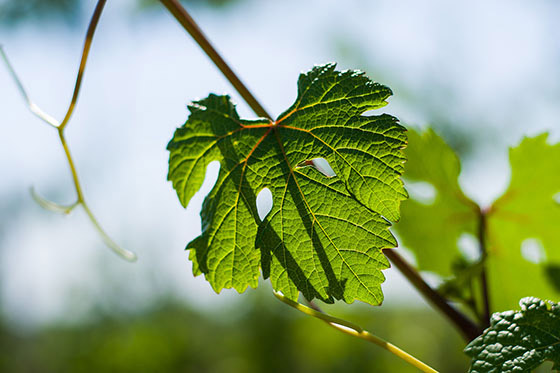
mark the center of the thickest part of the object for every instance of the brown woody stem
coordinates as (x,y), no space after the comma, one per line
(483,277)
(466,326)
(184,18)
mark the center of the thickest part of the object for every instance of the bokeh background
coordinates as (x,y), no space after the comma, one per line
(484,74)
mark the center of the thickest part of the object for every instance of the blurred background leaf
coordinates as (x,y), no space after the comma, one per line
(437,213)
(523,226)
(13,12)
(70,12)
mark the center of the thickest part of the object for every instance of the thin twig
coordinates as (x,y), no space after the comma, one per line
(60,126)
(483,276)
(356,331)
(184,18)
(467,327)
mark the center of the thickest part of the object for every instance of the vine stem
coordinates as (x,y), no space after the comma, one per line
(466,326)
(483,276)
(188,23)
(354,330)
(60,126)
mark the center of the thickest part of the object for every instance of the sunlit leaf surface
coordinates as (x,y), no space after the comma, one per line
(323,236)
(527,211)
(518,341)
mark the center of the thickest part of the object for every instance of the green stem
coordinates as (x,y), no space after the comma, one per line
(184,18)
(356,331)
(77,186)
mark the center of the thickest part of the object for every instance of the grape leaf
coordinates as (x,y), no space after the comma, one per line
(518,341)
(323,236)
(431,229)
(527,210)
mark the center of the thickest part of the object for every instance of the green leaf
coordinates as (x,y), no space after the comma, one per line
(431,229)
(518,341)
(323,236)
(527,210)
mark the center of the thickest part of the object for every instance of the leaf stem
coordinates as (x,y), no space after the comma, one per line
(60,126)
(466,326)
(355,331)
(483,276)
(188,23)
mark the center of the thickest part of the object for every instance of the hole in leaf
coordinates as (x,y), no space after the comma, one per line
(422,192)
(468,246)
(210,179)
(556,197)
(533,251)
(320,164)
(264,203)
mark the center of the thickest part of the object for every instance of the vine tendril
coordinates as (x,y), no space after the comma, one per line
(60,126)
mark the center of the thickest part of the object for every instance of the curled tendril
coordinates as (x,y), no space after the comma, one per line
(52,206)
